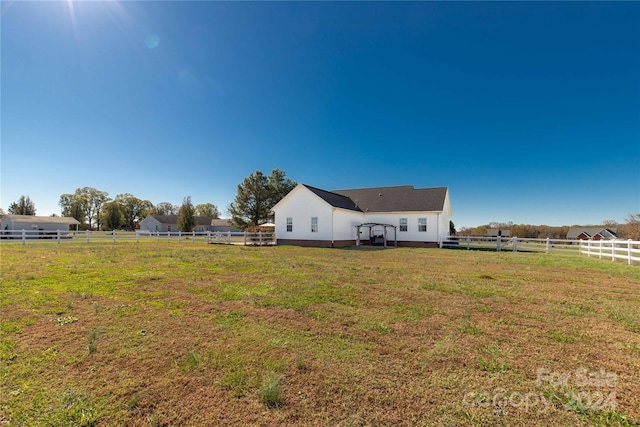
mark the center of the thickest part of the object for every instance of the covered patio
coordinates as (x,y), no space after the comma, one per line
(377,239)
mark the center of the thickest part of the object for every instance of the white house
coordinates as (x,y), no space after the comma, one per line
(164,223)
(402,215)
(36,226)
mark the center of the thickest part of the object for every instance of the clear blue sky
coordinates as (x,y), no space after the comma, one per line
(528,112)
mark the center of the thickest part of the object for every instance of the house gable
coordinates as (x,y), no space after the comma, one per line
(586,233)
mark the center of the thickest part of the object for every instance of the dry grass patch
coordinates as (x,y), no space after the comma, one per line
(181,334)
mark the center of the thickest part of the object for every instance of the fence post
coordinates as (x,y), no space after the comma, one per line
(24,237)
(629,251)
(600,246)
(245,238)
(88,234)
(137,237)
(613,250)
(58,236)
(468,242)
(114,236)
(498,245)
(548,247)
(168,236)
(515,244)
(229,237)
(194,236)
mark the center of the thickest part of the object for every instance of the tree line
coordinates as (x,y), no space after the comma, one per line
(255,197)
(95,210)
(630,229)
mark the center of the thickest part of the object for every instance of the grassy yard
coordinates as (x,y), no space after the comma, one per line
(159,334)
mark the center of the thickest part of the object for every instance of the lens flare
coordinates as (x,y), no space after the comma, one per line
(152,41)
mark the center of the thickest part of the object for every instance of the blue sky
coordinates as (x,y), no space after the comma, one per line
(528,112)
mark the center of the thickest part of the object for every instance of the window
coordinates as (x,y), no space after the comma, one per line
(422,224)
(403,224)
(289,225)
(314,224)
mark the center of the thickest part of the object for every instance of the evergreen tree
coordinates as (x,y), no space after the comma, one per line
(111,216)
(186,216)
(256,196)
(24,206)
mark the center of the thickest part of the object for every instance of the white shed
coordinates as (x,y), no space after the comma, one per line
(36,226)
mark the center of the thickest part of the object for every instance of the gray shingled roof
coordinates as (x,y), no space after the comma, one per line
(404,198)
(173,219)
(574,232)
(216,222)
(42,219)
(335,200)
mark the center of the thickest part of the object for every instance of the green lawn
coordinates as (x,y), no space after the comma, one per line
(167,333)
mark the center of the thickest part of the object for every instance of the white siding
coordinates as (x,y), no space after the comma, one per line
(412,234)
(301,206)
(335,224)
(39,223)
(345,222)
(151,224)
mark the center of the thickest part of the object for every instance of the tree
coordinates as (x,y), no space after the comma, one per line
(71,206)
(631,227)
(24,206)
(479,231)
(95,201)
(165,208)
(452,228)
(186,216)
(207,209)
(133,209)
(256,196)
(279,186)
(111,215)
(84,205)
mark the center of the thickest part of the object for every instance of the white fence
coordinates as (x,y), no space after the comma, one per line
(229,238)
(624,250)
(616,250)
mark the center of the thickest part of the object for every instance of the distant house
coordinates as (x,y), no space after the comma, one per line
(401,215)
(592,233)
(494,232)
(223,225)
(164,223)
(37,226)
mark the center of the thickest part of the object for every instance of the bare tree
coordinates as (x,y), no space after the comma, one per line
(631,227)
